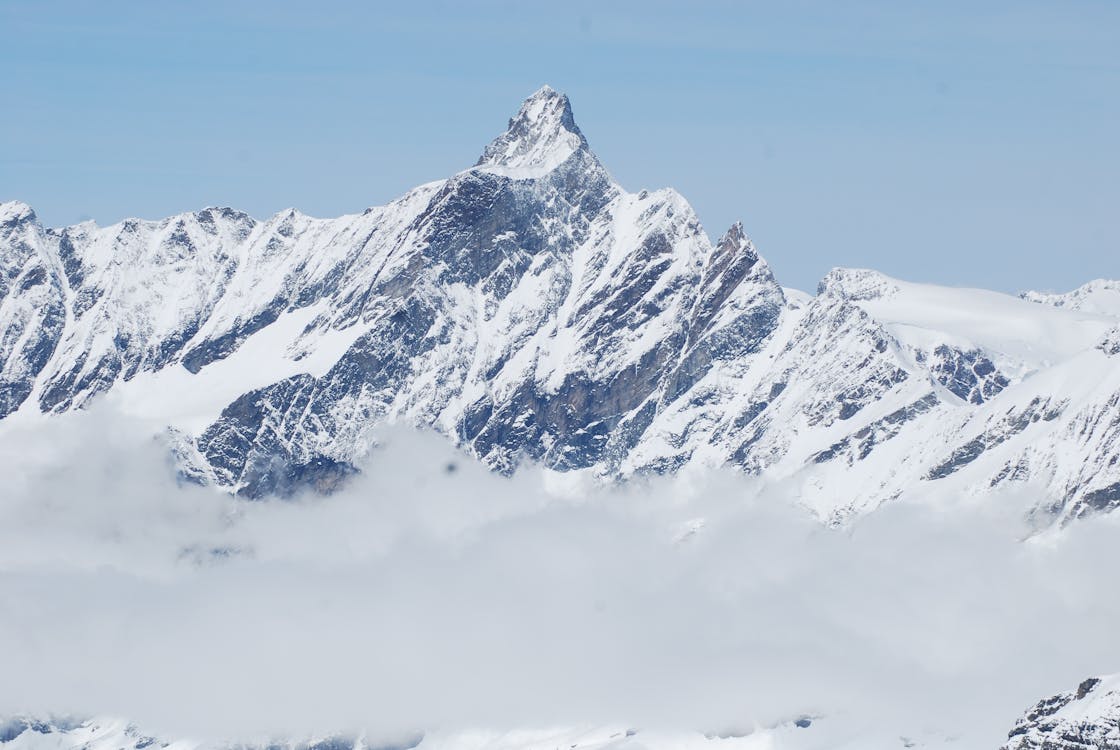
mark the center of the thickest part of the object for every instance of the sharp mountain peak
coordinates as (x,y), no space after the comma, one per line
(533,309)
(541,136)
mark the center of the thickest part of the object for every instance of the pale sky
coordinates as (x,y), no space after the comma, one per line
(956,142)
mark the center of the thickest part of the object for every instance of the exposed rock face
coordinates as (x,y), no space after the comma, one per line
(531,309)
(1110,342)
(1088,717)
(968,375)
(32,305)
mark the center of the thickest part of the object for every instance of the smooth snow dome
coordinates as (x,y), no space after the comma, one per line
(1100,296)
(433,595)
(1026,339)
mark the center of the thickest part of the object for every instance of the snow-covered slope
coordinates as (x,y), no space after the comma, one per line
(530,308)
(1088,717)
(1101,296)
(801,733)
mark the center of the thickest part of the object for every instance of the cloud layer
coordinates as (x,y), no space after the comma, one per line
(433,594)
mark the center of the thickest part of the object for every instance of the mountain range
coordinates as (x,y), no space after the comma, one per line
(1087,718)
(533,311)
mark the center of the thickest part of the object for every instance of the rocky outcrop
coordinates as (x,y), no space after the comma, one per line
(1084,718)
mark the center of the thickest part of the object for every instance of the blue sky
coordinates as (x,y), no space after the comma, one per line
(964,143)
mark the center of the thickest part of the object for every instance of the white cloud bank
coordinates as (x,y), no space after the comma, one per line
(422,598)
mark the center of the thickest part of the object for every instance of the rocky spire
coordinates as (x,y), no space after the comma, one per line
(539,138)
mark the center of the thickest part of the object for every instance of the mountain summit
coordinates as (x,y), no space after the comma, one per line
(540,137)
(531,309)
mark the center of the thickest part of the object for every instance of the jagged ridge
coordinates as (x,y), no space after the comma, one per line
(530,308)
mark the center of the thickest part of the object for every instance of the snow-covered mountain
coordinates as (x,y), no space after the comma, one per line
(531,309)
(1085,718)
(1088,717)
(801,733)
(1098,296)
